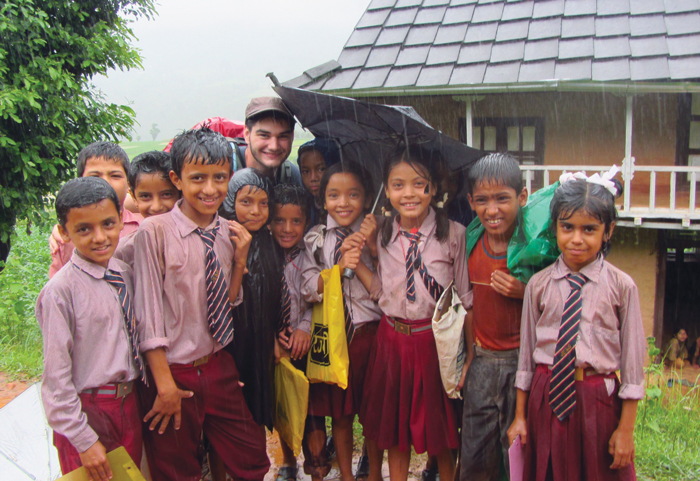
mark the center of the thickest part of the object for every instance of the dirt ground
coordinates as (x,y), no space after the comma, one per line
(10,390)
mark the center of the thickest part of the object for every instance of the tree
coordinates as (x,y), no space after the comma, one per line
(49,52)
(154,131)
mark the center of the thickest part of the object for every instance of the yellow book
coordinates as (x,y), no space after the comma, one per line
(123,468)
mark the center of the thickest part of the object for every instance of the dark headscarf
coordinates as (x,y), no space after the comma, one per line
(240,179)
(257,320)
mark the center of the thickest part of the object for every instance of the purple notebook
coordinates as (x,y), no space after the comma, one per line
(516,454)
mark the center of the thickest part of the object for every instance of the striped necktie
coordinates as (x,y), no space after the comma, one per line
(117,281)
(340,234)
(219,314)
(286,310)
(414,261)
(562,393)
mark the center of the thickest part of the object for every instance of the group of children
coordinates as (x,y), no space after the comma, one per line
(176,326)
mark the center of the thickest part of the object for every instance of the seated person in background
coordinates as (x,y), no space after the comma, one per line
(677,351)
(91,355)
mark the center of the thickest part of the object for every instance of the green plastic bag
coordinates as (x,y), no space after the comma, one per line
(533,245)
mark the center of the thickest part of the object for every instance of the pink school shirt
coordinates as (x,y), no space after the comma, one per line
(63,255)
(445,261)
(86,344)
(125,249)
(300,317)
(362,308)
(169,279)
(611,334)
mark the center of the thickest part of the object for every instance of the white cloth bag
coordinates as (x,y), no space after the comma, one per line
(448,328)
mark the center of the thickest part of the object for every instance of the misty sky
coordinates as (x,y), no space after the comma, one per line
(208,58)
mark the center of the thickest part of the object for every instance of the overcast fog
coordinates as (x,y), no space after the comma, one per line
(209,57)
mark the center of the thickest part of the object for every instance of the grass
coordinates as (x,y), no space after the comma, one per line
(24,275)
(668,420)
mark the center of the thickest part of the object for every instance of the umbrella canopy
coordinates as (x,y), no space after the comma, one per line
(368,133)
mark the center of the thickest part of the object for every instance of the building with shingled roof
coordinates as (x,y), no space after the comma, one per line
(562,85)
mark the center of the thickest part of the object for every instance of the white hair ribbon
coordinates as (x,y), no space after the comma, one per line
(605,180)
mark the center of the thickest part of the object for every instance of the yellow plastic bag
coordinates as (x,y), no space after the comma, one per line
(123,468)
(328,357)
(292,392)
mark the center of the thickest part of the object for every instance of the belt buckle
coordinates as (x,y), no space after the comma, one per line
(124,388)
(579,374)
(200,361)
(402,328)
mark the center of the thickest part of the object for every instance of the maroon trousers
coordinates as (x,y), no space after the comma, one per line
(575,449)
(115,420)
(219,410)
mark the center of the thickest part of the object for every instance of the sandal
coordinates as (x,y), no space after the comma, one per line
(431,474)
(287,473)
(362,468)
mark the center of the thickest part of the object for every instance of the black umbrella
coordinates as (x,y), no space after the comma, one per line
(368,133)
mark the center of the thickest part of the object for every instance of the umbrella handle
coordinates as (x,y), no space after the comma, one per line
(379,195)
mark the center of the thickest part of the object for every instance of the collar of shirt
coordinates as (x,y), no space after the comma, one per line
(185,226)
(129,217)
(355,226)
(426,229)
(96,271)
(591,271)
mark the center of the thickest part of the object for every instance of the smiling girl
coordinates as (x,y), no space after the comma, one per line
(346,193)
(581,323)
(420,252)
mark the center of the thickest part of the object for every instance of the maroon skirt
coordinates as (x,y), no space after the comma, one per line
(405,403)
(331,400)
(577,446)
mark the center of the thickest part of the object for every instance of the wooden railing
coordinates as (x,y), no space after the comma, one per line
(681,202)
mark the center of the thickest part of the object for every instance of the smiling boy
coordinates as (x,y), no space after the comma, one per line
(492,326)
(152,191)
(90,341)
(107,161)
(188,269)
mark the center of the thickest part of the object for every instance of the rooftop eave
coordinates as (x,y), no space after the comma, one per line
(620,87)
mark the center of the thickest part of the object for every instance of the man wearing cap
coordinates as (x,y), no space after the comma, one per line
(269,133)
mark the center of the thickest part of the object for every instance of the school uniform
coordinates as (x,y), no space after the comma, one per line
(89,369)
(406,404)
(610,338)
(65,251)
(362,312)
(172,312)
(489,388)
(125,249)
(299,310)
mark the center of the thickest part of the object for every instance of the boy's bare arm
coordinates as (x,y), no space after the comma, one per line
(169,398)
(621,445)
(507,285)
(240,238)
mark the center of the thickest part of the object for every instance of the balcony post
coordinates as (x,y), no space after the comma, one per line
(628,161)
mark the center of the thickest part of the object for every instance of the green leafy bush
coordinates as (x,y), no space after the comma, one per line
(24,275)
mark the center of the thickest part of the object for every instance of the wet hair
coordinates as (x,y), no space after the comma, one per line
(592,199)
(496,168)
(246,177)
(426,162)
(275,115)
(291,194)
(361,175)
(326,147)
(106,150)
(83,191)
(200,145)
(153,162)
